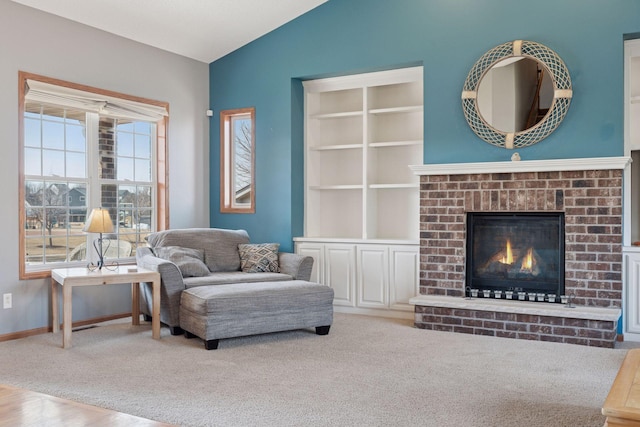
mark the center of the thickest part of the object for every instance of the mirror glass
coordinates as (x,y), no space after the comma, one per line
(515,94)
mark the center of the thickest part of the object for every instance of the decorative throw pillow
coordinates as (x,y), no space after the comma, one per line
(261,257)
(189,261)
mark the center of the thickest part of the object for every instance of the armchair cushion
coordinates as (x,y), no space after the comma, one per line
(189,261)
(220,246)
(257,258)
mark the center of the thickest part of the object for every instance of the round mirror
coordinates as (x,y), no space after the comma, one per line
(516,94)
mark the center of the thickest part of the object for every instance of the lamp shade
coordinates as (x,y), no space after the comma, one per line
(99,221)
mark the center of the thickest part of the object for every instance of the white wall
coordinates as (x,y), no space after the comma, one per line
(526,82)
(503,98)
(45,44)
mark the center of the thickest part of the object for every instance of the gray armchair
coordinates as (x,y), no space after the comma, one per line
(220,249)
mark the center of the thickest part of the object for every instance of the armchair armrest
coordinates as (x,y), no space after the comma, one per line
(171,286)
(297,266)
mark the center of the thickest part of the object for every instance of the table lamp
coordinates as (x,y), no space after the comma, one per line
(99,221)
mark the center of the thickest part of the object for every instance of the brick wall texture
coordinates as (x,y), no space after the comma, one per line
(592,204)
(595,333)
(107,165)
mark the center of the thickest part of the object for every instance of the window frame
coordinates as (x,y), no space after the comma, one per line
(227,165)
(160,166)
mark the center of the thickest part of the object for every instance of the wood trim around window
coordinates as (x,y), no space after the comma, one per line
(162,165)
(226,186)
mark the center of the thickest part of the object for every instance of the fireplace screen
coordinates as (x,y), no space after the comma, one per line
(515,253)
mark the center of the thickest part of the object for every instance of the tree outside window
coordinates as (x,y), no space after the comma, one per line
(237,148)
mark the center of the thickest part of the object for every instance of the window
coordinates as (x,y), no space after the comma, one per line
(83,148)
(237,140)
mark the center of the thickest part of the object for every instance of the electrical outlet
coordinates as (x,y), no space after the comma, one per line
(6,300)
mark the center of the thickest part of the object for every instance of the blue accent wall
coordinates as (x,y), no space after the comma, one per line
(446,37)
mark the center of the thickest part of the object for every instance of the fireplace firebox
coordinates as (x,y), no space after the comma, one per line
(515,255)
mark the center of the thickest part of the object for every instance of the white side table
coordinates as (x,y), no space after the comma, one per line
(68,278)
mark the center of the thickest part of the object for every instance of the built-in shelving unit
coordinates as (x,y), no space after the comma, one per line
(631,229)
(361,134)
(633,84)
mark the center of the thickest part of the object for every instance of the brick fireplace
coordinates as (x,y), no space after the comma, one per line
(587,191)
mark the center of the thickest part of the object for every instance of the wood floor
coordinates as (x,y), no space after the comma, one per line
(19,408)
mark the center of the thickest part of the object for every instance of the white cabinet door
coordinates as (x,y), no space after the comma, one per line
(403,276)
(340,272)
(315,251)
(373,274)
(366,275)
(632,301)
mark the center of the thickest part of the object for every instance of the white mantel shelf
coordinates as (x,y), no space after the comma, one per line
(554,165)
(519,307)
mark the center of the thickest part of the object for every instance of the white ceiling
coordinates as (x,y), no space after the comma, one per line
(204,30)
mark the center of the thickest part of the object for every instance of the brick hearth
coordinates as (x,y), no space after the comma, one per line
(590,197)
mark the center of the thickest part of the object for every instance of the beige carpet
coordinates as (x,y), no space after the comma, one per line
(367,372)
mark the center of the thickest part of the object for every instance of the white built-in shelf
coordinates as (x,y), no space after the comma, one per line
(364,129)
(635,99)
(395,143)
(362,203)
(336,187)
(401,185)
(340,115)
(336,147)
(395,110)
(357,240)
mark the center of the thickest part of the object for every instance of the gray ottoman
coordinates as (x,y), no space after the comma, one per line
(224,311)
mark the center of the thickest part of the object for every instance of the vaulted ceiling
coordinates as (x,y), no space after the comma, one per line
(204,30)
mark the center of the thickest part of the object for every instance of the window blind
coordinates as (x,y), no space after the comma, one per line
(47,93)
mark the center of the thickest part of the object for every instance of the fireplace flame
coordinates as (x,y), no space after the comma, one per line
(527,262)
(508,257)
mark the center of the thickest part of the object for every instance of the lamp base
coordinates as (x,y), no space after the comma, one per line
(97,244)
